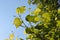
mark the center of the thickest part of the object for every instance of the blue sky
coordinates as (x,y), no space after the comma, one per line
(7,11)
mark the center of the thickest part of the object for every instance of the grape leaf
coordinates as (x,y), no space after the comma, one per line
(17,22)
(20,10)
(11,36)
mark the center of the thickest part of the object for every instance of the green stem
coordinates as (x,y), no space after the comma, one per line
(22,21)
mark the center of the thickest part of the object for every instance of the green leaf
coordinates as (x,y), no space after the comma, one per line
(51,38)
(37,11)
(46,17)
(21,39)
(37,39)
(36,31)
(17,22)
(28,30)
(17,38)
(59,11)
(33,19)
(58,23)
(30,18)
(11,36)
(30,36)
(37,19)
(20,10)
(29,2)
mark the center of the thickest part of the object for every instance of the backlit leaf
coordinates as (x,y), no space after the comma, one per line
(59,11)
(30,18)
(46,17)
(29,2)
(37,11)
(17,22)
(58,23)
(25,32)
(17,39)
(51,39)
(11,36)
(37,18)
(30,36)
(20,10)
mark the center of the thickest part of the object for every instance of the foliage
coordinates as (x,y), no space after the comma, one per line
(17,22)
(47,14)
(20,10)
(11,37)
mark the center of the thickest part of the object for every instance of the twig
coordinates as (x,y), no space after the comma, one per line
(22,20)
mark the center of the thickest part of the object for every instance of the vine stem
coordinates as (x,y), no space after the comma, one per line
(30,24)
(22,21)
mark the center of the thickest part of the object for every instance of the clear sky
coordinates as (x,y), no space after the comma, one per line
(7,11)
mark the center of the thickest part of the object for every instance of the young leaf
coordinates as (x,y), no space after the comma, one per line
(17,39)
(30,18)
(17,22)
(20,10)
(37,18)
(30,36)
(51,39)
(46,17)
(29,2)
(58,23)
(11,36)
(25,32)
(59,11)
(28,30)
(37,11)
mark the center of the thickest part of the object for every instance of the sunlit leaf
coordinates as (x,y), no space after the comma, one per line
(30,18)
(59,11)
(25,32)
(46,17)
(29,2)
(44,21)
(17,22)
(51,39)
(58,23)
(37,11)
(11,36)
(37,39)
(28,30)
(37,18)
(36,31)
(55,18)
(30,36)
(45,25)
(17,39)
(20,10)
(40,5)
